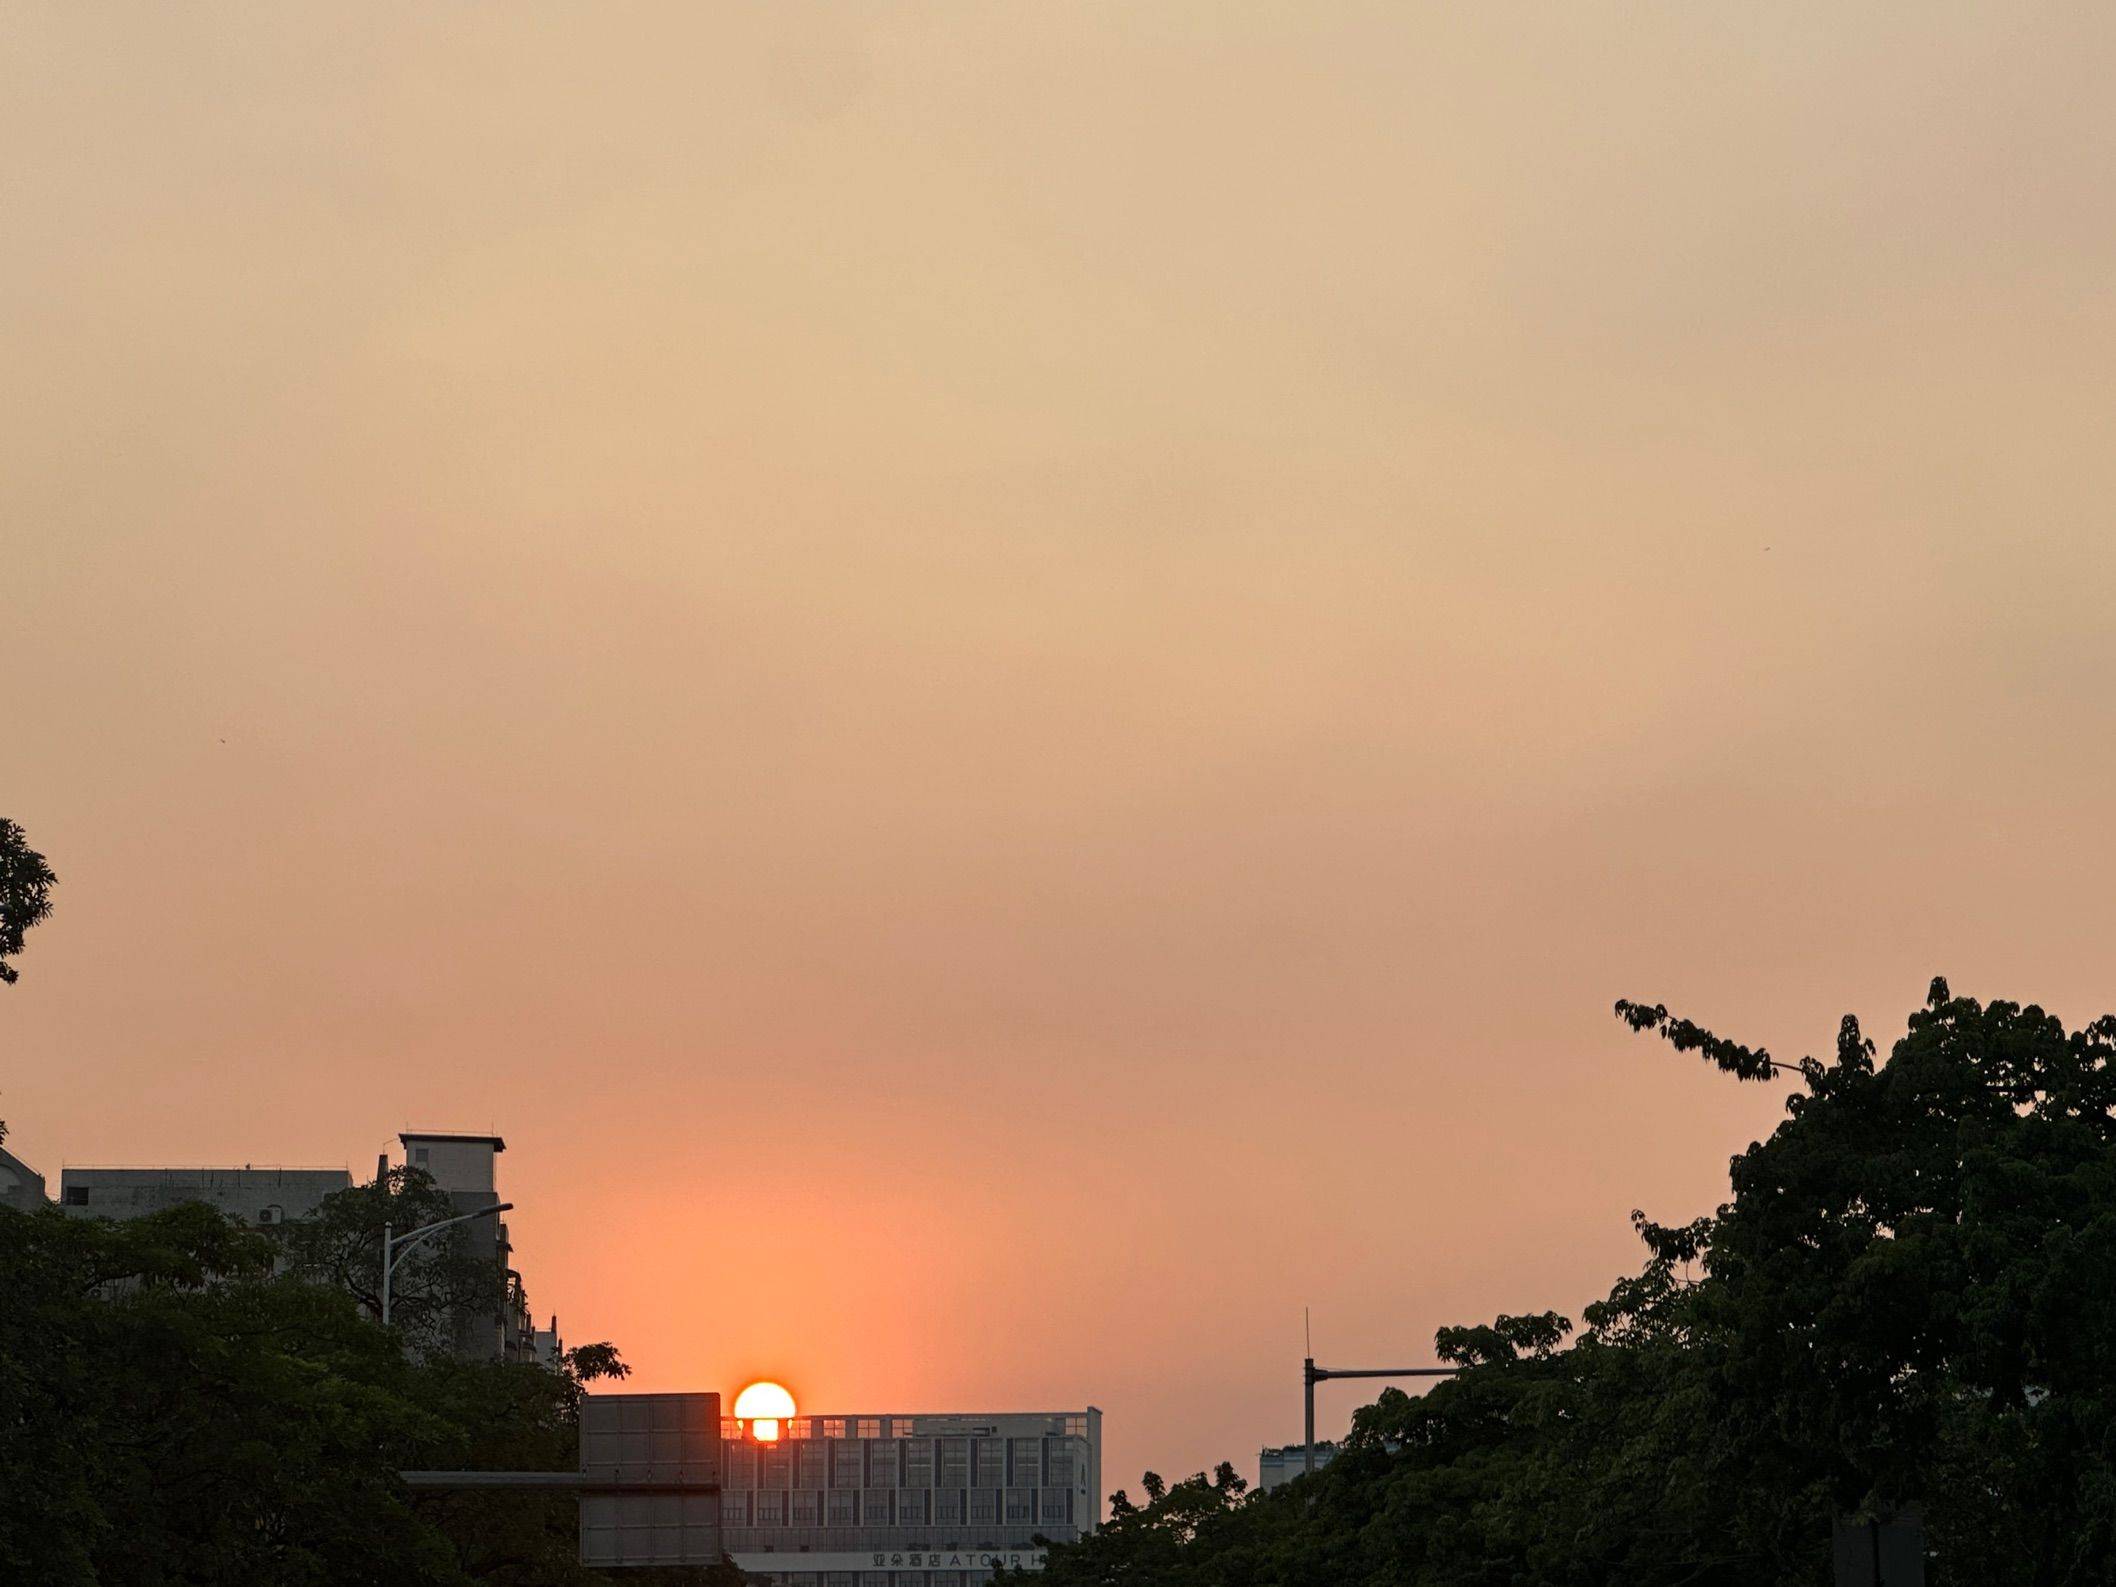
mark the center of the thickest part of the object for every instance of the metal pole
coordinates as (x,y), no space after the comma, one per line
(1307,1385)
(385,1275)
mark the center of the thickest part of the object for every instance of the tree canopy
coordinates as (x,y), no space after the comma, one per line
(25,894)
(1908,1302)
(434,1285)
(175,1412)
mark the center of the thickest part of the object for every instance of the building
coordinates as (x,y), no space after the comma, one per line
(467,1168)
(21,1186)
(462,1165)
(907,1501)
(262,1196)
(1287,1461)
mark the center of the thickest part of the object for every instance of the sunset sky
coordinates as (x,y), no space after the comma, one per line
(1011,684)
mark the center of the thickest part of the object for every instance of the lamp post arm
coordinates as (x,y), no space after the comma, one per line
(404,1242)
(394,1247)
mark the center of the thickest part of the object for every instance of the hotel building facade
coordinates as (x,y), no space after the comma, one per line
(907,1500)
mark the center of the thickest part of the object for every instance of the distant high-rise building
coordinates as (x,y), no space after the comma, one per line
(1287,1461)
(907,1501)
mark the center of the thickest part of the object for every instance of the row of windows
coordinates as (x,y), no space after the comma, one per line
(913,1463)
(801,1427)
(887,1507)
(833,1427)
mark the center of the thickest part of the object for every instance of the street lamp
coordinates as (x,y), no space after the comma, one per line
(394,1247)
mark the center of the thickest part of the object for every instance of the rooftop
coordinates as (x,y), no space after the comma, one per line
(493,1141)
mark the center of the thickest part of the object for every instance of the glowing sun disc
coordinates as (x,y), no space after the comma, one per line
(764,1406)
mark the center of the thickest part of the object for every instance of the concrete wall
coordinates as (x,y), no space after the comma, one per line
(255,1195)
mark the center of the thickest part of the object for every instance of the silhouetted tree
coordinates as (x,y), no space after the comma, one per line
(173,1413)
(25,894)
(436,1283)
(1910,1299)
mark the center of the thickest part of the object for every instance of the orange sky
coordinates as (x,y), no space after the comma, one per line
(1011,684)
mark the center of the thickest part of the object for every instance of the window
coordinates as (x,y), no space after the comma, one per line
(778,1467)
(800,1427)
(1060,1464)
(807,1509)
(738,1463)
(900,1427)
(1028,1461)
(874,1510)
(844,1465)
(76,1195)
(812,1464)
(911,1508)
(947,1507)
(870,1427)
(991,1463)
(1021,1504)
(984,1505)
(882,1463)
(734,1509)
(918,1463)
(833,1427)
(1054,1505)
(771,1508)
(954,1463)
(1076,1427)
(844,1508)
(418,1156)
(730,1429)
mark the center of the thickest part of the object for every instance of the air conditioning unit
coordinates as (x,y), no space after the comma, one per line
(272,1215)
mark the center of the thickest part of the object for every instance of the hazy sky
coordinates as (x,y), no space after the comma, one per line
(1012,683)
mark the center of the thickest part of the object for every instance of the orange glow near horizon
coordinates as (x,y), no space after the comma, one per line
(764,1406)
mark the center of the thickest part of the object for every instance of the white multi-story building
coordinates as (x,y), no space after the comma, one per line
(907,1501)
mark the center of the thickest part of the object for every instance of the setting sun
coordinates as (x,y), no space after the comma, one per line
(764,1406)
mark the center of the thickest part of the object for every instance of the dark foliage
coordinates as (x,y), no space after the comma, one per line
(1910,1300)
(435,1283)
(25,894)
(173,1413)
